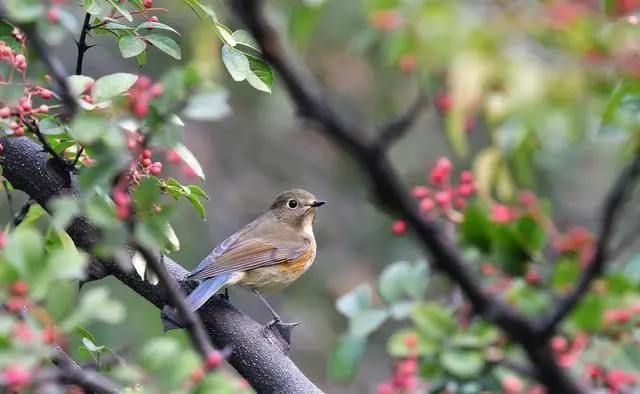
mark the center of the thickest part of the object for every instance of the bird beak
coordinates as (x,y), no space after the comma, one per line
(317,203)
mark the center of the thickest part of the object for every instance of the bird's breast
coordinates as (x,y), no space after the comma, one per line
(279,276)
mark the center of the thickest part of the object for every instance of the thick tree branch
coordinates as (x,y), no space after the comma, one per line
(71,372)
(311,102)
(81,43)
(612,210)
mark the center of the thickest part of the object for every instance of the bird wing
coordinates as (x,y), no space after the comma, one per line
(244,255)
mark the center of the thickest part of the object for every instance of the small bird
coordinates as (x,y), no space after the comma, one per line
(268,254)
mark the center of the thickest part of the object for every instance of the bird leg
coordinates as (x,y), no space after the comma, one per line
(225,296)
(276,328)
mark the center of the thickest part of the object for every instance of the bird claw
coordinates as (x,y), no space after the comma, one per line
(281,332)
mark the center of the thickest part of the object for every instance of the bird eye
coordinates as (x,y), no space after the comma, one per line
(292,204)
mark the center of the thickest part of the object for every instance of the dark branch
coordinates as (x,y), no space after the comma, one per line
(46,145)
(82,42)
(311,102)
(71,372)
(398,126)
(192,322)
(612,210)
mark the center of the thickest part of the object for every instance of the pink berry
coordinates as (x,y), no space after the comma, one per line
(5,112)
(16,376)
(399,227)
(155,168)
(420,191)
(427,205)
(214,359)
(46,94)
(153,19)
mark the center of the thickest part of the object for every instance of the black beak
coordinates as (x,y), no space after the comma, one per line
(318,203)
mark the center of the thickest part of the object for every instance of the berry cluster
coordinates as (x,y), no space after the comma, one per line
(141,93)
(441,198)
(18,114)
(404,378)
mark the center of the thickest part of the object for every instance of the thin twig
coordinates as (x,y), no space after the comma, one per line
(82,42)
(612,209)
(47,146)
(192,322)
(398,126)
(24,211)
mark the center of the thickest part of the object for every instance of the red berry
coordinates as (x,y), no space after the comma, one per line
(172,156)
(145,162)
(43,109)
(443,101)
(399,227)
(426,205)
(143,82)
(214,359)
(156,89)
(19,288)
(420,192)
(16,376)
(146,154)
(5,112)
(19,132)
(147,3)
(465,189)
(197,375)
(46,94)
(155,168)
(559,344)
(153,19)
(512,384)
(411,340)
(443,199)
(527,198)
(460,203)
(466,177)
(53,15)
(1,150)
(141,108)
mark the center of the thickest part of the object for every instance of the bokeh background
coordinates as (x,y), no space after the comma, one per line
(262,147)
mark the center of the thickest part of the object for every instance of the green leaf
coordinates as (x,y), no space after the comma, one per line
(367,321)
(433,321)
(155,25)
(260,75)
(35,212)
(69,263)
(401,310)
(88,127)
(112,85)
(50,126)
(79,84)
(236,63)
(196,191)
(165,44)
(159,352)
(354,302)
(121,9)
(565,272)
(244,38)
(88,343)
(416,284)
(208,105)
(131,45)
(95,305)
(189,159)
(22,11)
(64,210)
(197,204)
(392,280)
(345,358)
(24,248)
(397,344)
(463,364)
(587,315)
(225,34)
(476,229)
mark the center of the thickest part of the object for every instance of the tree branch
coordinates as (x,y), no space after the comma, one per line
(82,42)
(71,372)
(192,322)
(311,102)
(398,126)
(611,213)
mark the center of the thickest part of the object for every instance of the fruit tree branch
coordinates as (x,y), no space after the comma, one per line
(615,201)
(311,102)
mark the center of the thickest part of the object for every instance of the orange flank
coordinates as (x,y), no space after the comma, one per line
(298,265)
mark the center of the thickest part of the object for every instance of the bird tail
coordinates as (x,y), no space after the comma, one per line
(205,290)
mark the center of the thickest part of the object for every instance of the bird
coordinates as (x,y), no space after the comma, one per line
(266,255)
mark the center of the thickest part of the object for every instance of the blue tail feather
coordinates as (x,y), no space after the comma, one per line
(205,290)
